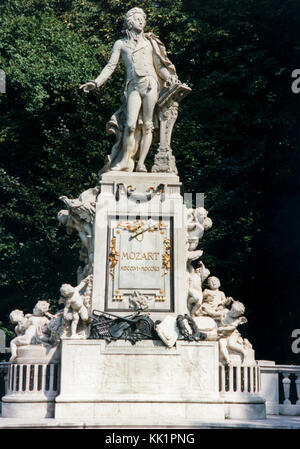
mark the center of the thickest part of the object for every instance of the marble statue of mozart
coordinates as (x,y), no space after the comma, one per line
(148,70)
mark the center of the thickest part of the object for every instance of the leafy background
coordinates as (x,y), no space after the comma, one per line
(236,140)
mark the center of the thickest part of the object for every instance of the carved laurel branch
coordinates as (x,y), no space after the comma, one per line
(166,256)
(113,257)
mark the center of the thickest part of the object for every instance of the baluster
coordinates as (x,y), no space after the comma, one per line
(251,380)
(230,367)
(9,378)
(24,377)
(222,374)
(297,382)
(246,379)
(14,378)
(27,384)
(44,369)
(255,380)
(20,377)
(238,379)
(286,381)
(51,377)
(35,377)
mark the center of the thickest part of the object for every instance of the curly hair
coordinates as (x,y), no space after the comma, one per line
(129,14)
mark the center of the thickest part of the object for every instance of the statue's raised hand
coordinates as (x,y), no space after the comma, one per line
(88,87)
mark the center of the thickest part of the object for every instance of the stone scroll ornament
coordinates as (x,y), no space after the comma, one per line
(168,103)
(149,105)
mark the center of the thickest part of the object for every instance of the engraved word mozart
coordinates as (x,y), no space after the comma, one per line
(137,255)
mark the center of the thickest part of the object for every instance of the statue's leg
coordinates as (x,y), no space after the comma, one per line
(149,102)
(134,102)
(13,349)
(74,324)
(84,315)
(235,346)
(223,350)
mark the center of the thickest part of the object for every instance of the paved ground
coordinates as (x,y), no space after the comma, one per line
(272,422)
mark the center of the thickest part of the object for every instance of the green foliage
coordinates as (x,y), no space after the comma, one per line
(235,138)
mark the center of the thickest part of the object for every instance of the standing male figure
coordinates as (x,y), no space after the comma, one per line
(148,69)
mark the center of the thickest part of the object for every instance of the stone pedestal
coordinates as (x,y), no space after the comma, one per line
(147,380)
(33,383)
(143,257)
(139,257)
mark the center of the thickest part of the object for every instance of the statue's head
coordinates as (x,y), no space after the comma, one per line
(66,290)
(237,309)
(63,216)
(40,308)
(16,316)
(213,282)
(135,19)
(201,212)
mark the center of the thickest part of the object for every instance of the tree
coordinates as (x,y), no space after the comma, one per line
(236,140)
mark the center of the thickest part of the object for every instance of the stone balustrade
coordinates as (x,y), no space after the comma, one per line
(33,378)
(280,387)
(33,382)
(239,379)
(3,380)
(239,387)
(31,389)
(278,384)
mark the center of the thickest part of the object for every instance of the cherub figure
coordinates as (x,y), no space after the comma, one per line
(80,216)
(195,279)
(31,328)
(213,298)
(197,223)
(229,337)
(75,307)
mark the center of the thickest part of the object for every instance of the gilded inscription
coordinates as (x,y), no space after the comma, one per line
(137,255)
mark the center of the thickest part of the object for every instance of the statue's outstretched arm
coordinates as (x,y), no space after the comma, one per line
(111,65)
(107,71)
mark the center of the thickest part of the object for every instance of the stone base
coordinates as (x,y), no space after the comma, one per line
(249,407)
(20,407)
(289,409)
(33,383)
(151,412)
(149,380)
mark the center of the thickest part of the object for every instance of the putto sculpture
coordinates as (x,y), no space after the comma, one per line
(151,94)
(30,329)
(76,306)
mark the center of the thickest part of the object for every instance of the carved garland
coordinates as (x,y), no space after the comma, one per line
(113,257)
(166,257)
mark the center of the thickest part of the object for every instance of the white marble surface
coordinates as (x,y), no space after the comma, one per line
(169,207)
(101,379)
(271,422)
